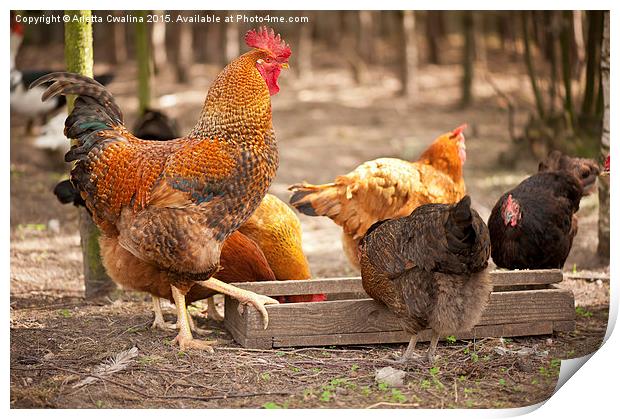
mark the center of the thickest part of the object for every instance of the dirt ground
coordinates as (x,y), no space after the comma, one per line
(325,125)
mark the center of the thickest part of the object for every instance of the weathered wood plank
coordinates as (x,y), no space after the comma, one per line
(519,329)
(366,315)
(500,278)
(564,325)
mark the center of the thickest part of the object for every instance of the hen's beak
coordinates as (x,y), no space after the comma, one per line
(285,65)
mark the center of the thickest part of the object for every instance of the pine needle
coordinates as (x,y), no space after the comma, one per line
(118,363)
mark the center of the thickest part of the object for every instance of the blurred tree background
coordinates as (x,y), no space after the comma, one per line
(560,50)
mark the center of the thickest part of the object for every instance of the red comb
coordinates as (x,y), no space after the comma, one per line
(459,130)
(266,39)
(607,163)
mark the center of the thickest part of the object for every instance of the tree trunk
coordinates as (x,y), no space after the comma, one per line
(409,58)
(433,35)
(603,188)
(365,40)
(529,62)
(480,47)
(158,43)
(566,35)
(593,60)
(143,57)
(120,39)
(468,58)
(304,49)
(79,59)
(232,41)
(184,50)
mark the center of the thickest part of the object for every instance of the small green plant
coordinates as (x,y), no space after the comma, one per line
(65,312)
(383,386)
(326,396)
(365,391)
(425,384)
(265,376)
(462,378)
(434,371)
(580,311)
(271,405)
(451,339)
(316,369)
(474,357)
(535,381)
(355,367)
(295,369)
(502,382)
(280,353)
(99,404)
(469,403)
(398,396)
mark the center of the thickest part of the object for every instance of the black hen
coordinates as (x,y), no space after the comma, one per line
(152,125)
(533,225)
(429,269)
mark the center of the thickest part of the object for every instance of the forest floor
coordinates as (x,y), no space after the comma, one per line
(326,125)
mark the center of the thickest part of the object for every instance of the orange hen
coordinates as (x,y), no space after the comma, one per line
(386,188)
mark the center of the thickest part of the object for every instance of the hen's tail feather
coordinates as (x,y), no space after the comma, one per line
(315,200)
(460,223)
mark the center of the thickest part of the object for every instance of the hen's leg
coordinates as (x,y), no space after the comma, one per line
(212,310)
(185,338)
(431,349)
(244,297)
(159,322)
(410,351)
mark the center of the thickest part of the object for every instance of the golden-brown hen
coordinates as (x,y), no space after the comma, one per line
(173,204)
(386,188)
(277,231)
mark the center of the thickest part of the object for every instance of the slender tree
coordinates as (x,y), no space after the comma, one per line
(79,59)
(409,55)
(529,62)
(468,58)
(603,189)
(143,56)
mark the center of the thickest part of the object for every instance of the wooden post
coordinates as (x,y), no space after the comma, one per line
(79,59)
(603,188)
(143,56)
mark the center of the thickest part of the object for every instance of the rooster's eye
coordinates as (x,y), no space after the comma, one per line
(267,60)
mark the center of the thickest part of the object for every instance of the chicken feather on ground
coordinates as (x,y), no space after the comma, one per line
(533,225)
(386,188)
(429,269)
(172,204)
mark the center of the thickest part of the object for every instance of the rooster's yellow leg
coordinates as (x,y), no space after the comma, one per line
(212,310)
(159,322)
(244,297)
(185,338)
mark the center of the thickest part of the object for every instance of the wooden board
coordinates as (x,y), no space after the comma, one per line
(500,278)
(364,321)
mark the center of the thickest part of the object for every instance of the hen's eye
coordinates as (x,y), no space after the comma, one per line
(267,60)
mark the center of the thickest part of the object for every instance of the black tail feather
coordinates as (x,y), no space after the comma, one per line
(303,207)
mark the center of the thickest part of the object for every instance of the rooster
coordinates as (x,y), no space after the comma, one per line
(173,204)
(533,225)
(386,188)
(429,269)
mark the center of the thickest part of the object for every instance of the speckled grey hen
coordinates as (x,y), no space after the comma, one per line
(173,204)
(429,269)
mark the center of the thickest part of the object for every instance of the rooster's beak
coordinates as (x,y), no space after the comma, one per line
(285,65)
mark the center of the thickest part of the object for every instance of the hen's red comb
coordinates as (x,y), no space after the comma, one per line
(459,130)
(16,27)
(607,163)
(266,39)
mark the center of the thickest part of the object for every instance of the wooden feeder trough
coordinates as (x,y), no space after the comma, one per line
(522,303)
